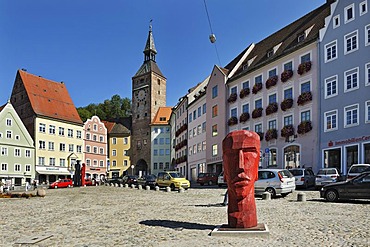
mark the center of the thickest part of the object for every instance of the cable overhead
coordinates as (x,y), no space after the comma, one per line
(212,36)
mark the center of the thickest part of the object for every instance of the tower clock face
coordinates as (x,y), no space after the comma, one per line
(141,96)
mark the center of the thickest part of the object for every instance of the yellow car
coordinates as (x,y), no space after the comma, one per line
(172,179)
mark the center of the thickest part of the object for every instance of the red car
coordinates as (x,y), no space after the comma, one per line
(89,182)
(62,183)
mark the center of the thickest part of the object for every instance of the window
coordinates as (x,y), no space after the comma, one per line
(272,98)
(41,161)
(367,35)
(204,108)
(62,147)
(234,112)
(114,152)
(351,80)
(367,112)
(301,37)
(258,79)
(51,129)
(125,163)
(272,124)
(161,152)
(258,128)
(204,127)
(17,152)
(214,130)
(17,167)
(199,131)
(245,85)
(349,13)
(258,104)
(367,74)
(51,146)
(28,153)
(288,120)
(272,73)
(42,128)
(101,138)
(336,21)
(70,147)
(41,144)
(306,116)
(351,116)
(88,149)
(195,114)
(330,120)
(331,51)
(95,138)
(4,167)
(161,141)
(155,141)
(78,134)
(79,148)
(101,163)
(214,111)
(331,85)
(155,152)
(52,161)
(288,93)
(125,152)
(350,42)
(70,132)
(306,58)
(288,66)
(114,140)
(8,122)
(363,8)
(233,90)
(61,131)
(62,162)
(114,163)
(9,134)
(214,92)
(125,140)
(190,117)
(245,108)
(88,136)
(28,168)
(214,150)
(199,111)
(4,151)
(95,150)
(270,53)
(305,87)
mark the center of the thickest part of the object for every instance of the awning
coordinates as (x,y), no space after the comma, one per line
(55,172)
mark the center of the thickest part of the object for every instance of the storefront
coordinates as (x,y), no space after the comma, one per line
(342,154)
(49,174)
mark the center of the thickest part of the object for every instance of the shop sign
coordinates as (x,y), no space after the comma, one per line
(349,141)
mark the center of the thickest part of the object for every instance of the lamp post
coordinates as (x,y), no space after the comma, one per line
(132,169)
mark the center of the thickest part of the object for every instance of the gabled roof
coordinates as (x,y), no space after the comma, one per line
(284,41)
(49,98)
(115,128)
(108,125)
(163,116)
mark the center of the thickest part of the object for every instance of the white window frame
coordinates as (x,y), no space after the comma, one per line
(27,167)
(350,36)
(28,153)
(42,128)
(8,122)
(360,8)
(367,111)
(351,108)
(6,167)
(17,167)
(349,73)
(4,151)
(367,74)
(367,33)
(214,150)
(330,46)
(114,152)
(337,17)
(346,20)
(331,80)
(326,115)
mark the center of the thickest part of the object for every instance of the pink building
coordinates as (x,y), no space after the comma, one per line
(96,151)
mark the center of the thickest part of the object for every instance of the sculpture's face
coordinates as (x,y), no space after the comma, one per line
(242,172)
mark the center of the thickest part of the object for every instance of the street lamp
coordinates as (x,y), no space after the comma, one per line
(132,169)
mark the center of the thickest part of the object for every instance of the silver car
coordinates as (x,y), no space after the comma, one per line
(304,177)
(275,181)
(326,176)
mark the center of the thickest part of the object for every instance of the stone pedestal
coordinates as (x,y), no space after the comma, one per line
(301,197)
(168,189)
(147,187)
(266,196)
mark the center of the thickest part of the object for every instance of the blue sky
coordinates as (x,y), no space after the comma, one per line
(96,47)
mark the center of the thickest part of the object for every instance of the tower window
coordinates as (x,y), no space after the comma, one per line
(159,92)
(159,82)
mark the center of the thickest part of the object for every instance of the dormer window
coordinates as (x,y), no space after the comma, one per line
(245,66)
(301,37)
(270,53)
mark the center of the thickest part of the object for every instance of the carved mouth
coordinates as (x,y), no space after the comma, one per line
(241,180)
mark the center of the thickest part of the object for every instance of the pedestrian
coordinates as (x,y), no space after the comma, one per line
(34,184)
(27,185)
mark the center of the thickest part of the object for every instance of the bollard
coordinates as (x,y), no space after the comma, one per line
(181,190)
(168,189)
(140,187)
(301,197)
(126,185)
(116,185)
(266,196)
(133,186)
(121,185)
(147,187)
(156,188)
(112,184)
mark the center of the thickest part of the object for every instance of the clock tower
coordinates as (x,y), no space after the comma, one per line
(148,94)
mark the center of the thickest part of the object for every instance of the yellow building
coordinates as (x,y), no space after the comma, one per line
(118,149)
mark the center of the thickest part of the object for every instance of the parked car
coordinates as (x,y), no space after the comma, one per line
(89,182)
(130,179)
(220,180)
(207,178)
(172,179)
(115,180)
(356,188)
(275,181)
(147,180)
(326,176)
(357,169)
(62,183)
(304,177)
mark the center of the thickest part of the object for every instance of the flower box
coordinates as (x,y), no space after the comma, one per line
(304,97)
(271,81)
(256,88)
(304,127)
(244,117)
(232,98)
(271,134)
(286,75)
(257,112)
(232,121)
(304,67)
(287,130)
(286,104)
(244,92)
(271,108)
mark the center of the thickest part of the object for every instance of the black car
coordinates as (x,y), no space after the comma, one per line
(147,180)
(115,180)
(130,179)
(357,188)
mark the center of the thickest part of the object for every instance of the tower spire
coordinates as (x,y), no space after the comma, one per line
(150,51)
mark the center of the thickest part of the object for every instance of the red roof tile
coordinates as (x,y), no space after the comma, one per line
(49,98)
(162,116)
(108,125)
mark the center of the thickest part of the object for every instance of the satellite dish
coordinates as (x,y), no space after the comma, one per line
(212,38)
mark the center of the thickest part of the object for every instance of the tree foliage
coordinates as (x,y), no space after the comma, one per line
(114,108)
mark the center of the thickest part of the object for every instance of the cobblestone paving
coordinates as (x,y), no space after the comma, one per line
(115,216)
